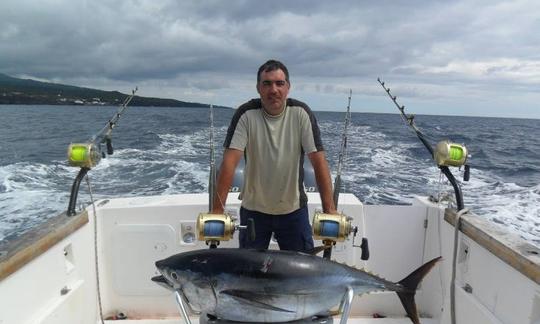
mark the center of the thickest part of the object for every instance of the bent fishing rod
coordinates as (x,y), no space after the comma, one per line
(445,154)
(88,155)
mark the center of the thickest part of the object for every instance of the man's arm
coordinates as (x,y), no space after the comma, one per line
(324,182)
(231,157)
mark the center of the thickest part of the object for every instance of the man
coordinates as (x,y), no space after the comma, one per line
(273,133)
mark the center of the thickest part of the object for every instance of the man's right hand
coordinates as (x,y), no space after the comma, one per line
(217,211)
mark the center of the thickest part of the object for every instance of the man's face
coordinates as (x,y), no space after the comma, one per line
(273,89)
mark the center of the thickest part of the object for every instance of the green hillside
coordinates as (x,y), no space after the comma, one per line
(32,92)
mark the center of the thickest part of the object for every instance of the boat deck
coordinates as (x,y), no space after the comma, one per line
(352,320)
(496,281)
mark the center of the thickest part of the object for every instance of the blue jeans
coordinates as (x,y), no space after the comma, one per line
(292,231)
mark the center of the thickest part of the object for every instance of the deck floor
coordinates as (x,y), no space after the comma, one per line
(352,320)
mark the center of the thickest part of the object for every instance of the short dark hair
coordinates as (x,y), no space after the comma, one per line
(272,65)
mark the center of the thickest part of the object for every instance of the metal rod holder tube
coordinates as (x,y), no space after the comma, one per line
(346,302)
(180,302)
(457,189)
(75,191)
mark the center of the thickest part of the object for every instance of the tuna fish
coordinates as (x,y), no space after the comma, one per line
(273,286)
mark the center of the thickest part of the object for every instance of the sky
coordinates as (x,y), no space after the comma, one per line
(478,58)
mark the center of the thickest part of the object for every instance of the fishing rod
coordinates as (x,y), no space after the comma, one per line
(212,177)
(445,154)
(214,228)
(332,228)
(342,151)
(326,226)
(88,155)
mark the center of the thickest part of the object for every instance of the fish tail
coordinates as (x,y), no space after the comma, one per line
(410,283)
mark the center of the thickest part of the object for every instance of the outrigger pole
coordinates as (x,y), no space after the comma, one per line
(456,154)
(87,155)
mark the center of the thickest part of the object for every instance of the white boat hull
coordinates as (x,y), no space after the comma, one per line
(59,284)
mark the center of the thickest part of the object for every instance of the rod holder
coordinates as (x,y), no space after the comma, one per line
(75,191)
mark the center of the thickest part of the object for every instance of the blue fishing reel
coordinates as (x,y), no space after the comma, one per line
(329,227)
(214,228)
(332,228)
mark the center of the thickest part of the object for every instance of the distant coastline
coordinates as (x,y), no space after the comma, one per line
(15,91)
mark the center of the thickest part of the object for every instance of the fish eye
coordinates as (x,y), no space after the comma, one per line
(174,275)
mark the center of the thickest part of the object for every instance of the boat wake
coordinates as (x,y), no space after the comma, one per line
(385,164)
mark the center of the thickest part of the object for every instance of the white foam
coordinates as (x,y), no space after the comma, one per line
(32,193)
(506,203)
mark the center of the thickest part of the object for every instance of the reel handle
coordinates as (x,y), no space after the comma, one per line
(364,246)
(110,149)
(365,249)
(250,227)
(467,173)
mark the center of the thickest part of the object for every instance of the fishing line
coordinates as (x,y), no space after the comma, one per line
(443,288)
(98,291)
(454,265)
(425,235)
(439,188)
(220,201)
(443,292)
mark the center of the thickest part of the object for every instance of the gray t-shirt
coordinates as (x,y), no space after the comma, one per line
(274,148)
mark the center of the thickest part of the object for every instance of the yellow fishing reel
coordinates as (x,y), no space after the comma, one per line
(450,154)
(84,155)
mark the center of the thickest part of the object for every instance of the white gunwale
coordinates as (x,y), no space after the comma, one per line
(20,251)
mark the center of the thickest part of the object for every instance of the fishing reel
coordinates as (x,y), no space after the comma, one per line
(83,155)
(452,154)
(331,228)
(214,228)
(87,155)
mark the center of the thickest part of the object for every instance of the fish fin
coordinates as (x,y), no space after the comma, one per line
(318,249)
(253,299)
(410,283)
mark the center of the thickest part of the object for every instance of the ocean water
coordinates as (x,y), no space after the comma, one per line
(166,151)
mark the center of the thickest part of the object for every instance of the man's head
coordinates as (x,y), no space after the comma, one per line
(273,86)
(272,65)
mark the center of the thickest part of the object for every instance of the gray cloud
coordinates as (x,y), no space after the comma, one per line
(426,48)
